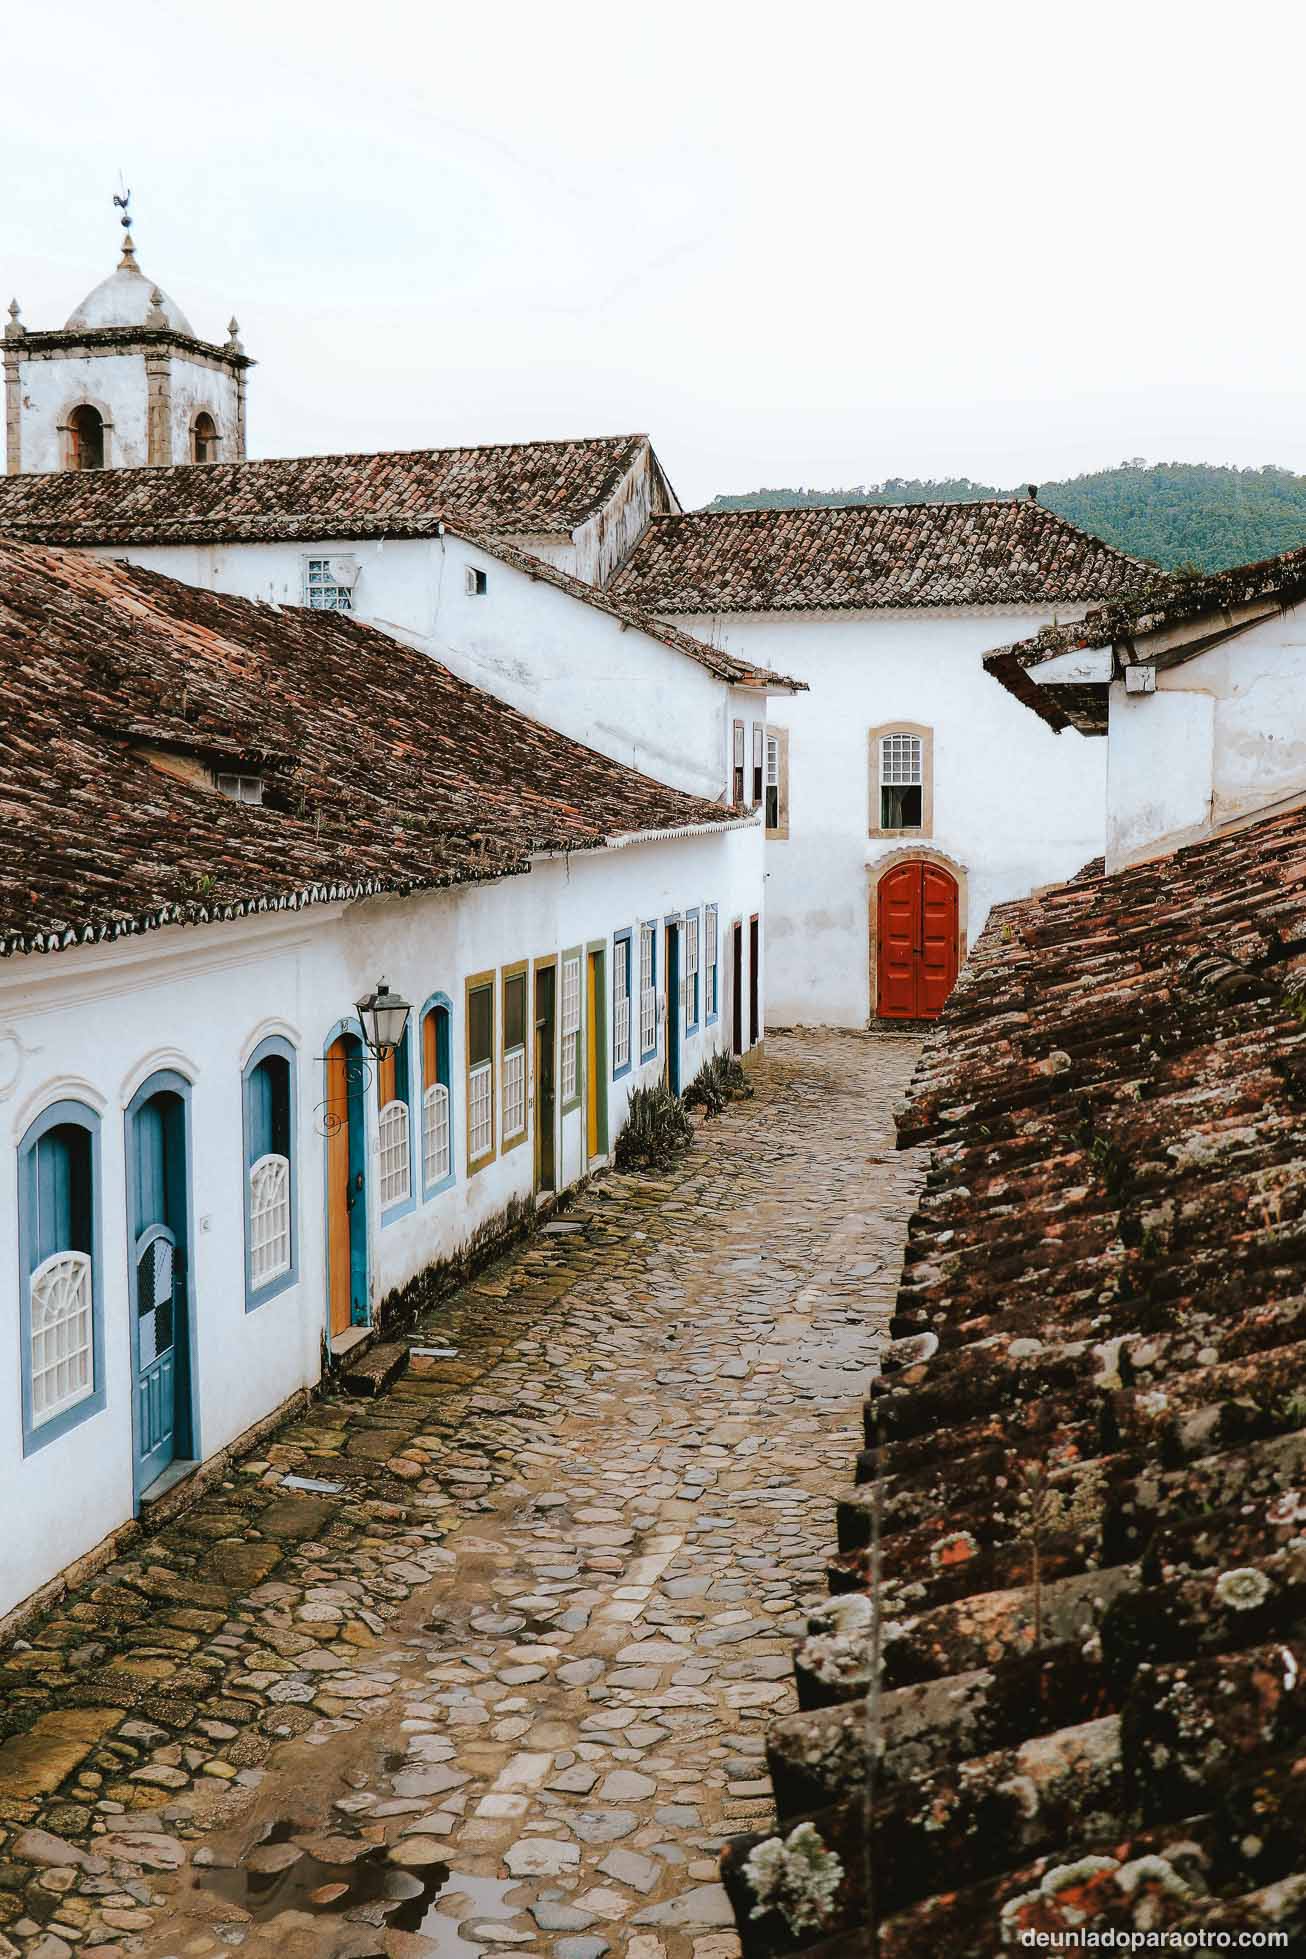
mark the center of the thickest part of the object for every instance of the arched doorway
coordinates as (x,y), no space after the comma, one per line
(917,935)
(344,1120)
(158,1204)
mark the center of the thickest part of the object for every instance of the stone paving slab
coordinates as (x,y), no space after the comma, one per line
(506,1688)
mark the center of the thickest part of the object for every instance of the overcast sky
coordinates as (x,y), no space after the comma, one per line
(815,244)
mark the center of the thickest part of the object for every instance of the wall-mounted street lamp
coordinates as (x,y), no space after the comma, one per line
(383,1016)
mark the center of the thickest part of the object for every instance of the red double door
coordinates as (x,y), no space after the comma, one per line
(916,941)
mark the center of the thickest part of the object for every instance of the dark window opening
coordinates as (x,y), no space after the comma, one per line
(477,583)
(900,806)
(773,807)
(204,439)
(480,1025)
(514,1011)
(269,1108)
(86,438)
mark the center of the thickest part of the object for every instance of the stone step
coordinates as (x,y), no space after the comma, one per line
(374,1371)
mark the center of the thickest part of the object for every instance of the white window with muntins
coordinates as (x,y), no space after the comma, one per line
(621,1004)
(241,788)
(902,777)
(396,1170)
(326,588)
(435,1133)
(570,1027)
(648,998)
(481,1109)
(691,968)
(514,1056)
(514,1092)
(269,1219)
(710,959)
(62,1372)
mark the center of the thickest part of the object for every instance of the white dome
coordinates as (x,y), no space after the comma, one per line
(125,298)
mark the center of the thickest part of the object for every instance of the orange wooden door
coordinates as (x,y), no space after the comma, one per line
(338,1190)
(936,969)
(916,941)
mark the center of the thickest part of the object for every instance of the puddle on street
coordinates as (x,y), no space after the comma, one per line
(434,1900)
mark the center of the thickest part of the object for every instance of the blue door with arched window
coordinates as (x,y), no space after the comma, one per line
(158,1207)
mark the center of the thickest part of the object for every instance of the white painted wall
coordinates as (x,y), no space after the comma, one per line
(115,383)
(90,1024)
(1015,806)
(195,386)
(561,661)
(49,389)
(1223,736)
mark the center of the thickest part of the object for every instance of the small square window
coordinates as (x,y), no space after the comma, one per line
(323,590)
(241,788)
(477,583)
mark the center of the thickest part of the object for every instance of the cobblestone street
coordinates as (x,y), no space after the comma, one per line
(500,1685)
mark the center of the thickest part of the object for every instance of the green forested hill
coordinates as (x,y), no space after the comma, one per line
(1199,515)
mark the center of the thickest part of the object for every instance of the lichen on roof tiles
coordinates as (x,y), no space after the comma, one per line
(382,770)
(1087,1444)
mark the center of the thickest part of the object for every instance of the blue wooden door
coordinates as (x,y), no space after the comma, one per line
(159,1290)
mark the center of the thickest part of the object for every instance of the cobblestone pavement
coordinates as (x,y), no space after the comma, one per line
(502,1688)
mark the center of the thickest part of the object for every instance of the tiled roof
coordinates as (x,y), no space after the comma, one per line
(383,771)
(1276,581)
(524,488)
(1090,1439)
(998,552)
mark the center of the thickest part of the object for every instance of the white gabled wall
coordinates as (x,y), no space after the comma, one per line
(1015,806)
(1224,735)
(549,653)
(92,1023)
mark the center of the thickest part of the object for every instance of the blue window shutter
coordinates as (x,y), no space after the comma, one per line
(62,1193)
(260,1112)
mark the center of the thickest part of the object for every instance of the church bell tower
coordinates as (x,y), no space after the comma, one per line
(125,383)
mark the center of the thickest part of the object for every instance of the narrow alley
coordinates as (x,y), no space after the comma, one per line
(484,1664)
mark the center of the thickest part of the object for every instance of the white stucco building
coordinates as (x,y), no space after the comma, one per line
(1201,693)
(232,822)
(904,795)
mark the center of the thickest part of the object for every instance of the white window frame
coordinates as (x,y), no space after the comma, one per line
(62,1334)
(692,998)
(648,993)
(570,1083)
(620,1004)
(269,1220)
(514,1093)
(711,954)
(435,1133)
(396,1180)
(480,1110)
(322,590)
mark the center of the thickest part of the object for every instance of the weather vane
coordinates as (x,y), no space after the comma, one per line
(122,199)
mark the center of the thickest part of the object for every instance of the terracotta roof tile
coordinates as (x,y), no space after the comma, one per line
(484,495)
(998,552)
(382,770)
(1180,601)
(518,487)
(1090,1435)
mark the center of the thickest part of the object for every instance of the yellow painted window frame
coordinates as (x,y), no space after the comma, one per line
(473,984)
